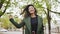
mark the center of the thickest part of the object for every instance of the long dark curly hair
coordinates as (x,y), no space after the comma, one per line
(26,11)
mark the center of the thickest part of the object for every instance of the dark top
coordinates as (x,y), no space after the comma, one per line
(34,24)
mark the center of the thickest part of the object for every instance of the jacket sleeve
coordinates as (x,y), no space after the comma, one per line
(16,24)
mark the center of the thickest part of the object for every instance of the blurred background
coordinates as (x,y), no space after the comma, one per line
(49,10)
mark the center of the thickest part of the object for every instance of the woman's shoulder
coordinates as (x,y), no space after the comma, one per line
(40,17)
(26,18)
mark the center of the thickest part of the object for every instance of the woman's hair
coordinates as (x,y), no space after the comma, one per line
(26,11)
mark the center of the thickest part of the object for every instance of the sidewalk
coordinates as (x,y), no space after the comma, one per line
(15,32)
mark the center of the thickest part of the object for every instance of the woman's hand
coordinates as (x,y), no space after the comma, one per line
(10,16)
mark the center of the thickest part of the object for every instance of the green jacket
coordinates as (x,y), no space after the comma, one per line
(26,22)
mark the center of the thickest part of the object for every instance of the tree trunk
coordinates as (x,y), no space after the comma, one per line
(1,5)
(49,19)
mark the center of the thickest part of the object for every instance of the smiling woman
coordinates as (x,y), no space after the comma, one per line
(32,21)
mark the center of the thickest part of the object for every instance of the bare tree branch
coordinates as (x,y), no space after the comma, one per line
(51,11)
(54,12)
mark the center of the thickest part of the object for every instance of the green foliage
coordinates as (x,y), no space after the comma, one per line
(2,1)
(5,21)
(1,13)
(37,4)
(45,21)
(48,4)
(7,2)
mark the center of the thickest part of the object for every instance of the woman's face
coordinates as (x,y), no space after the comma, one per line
(31,9)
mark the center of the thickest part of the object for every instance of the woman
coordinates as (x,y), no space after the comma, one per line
(33,22)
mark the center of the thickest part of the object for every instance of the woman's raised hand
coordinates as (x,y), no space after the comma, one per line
(10,16)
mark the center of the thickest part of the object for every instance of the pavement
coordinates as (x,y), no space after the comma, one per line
(10,32)
(16,32)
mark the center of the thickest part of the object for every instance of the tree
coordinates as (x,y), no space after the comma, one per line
(1,4)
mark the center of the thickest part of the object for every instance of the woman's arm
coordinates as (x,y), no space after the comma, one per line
(16,24)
